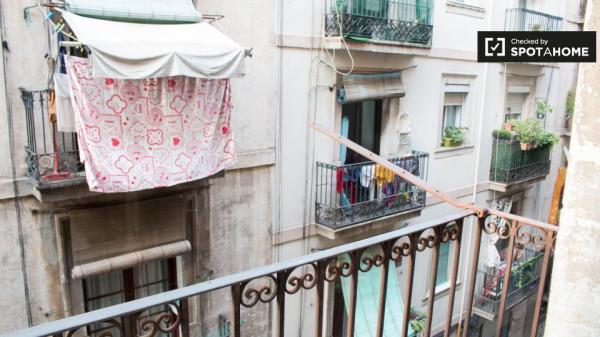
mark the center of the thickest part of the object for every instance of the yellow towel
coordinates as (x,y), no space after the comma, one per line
(383,175)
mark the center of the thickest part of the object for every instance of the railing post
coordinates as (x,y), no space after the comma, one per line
(435,253)
(236,298)
(453,276)
(414,238)
(385,270)
(280,312)
(473,274)
(507,272)
(542,285)
(320,275)
(355,260)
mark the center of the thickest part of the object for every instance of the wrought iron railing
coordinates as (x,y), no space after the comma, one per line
(523,19)
(350,194)
(524,279)
(315,274)
(510,164)
(384,20)
(51,155)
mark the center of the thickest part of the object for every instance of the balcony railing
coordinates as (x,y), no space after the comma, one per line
(51,155)
(317,274)
(512,165)
(524,279)
(384,20)
(522,19)
(350,194)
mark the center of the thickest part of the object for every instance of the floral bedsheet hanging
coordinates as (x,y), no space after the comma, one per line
(141,134)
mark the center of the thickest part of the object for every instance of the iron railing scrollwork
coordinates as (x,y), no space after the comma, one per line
(523,19)
(314,273)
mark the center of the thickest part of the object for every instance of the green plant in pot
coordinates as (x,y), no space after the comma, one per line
(570,109)
(418,320)
(542,108)
(453,136)
(502,134)
(509,125)
(531,134)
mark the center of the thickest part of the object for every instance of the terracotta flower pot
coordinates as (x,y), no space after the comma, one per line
(527,146)
(509,127)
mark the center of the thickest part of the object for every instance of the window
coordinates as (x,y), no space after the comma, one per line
(443,264)
(121,286)
(514,106)
(361,123)
(453,108)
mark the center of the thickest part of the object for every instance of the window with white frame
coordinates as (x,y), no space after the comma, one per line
(453,110)
(442,277)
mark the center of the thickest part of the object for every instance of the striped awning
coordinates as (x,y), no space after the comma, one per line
(148,11)
(362,87)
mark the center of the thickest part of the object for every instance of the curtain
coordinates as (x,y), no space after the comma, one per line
(367,302)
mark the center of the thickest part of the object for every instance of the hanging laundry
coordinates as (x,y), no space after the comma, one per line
(366,175)
(383,175)
(142,134)
(65,116)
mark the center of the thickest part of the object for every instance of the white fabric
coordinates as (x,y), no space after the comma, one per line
(124,50)
(138,10)
(65,116)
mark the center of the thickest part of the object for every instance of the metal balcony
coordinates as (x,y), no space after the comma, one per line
(355,193)
(511,165)
(523,19)
(380,20)
(51,155)
(316,275)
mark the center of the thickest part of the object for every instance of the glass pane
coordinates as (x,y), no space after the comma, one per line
(104,290)
(451,116)
(442,269)
(151,278)
(368,125)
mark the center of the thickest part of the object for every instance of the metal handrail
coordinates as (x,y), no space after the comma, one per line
(123,309)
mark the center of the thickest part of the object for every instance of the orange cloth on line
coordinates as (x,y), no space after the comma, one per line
(383,175)
(52,105)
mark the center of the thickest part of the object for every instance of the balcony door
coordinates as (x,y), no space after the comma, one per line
(361,123)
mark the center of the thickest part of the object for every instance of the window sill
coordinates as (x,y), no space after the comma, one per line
(442,290)
(464,9)
(443,152)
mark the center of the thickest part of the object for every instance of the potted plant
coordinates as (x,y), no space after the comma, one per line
(453,136)
(502,134)
(509,125)
(543,108)
(529,132)
(417,322)
(570,109)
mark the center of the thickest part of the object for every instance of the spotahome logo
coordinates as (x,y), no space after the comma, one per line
(536,46)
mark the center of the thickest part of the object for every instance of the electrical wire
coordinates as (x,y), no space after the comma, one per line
(331,62)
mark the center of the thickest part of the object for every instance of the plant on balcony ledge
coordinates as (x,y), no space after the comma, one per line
(417,322)
(453,136)
(531,134)
(543,108)
(502,134)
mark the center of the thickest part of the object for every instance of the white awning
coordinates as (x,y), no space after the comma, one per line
(361,87)
(136,10)
(134,51)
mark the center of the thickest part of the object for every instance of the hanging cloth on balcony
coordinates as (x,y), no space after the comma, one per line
(165,11)
(141,134)
(123,50)
(362,87)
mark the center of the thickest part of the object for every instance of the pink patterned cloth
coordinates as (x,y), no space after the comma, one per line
(140,134)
